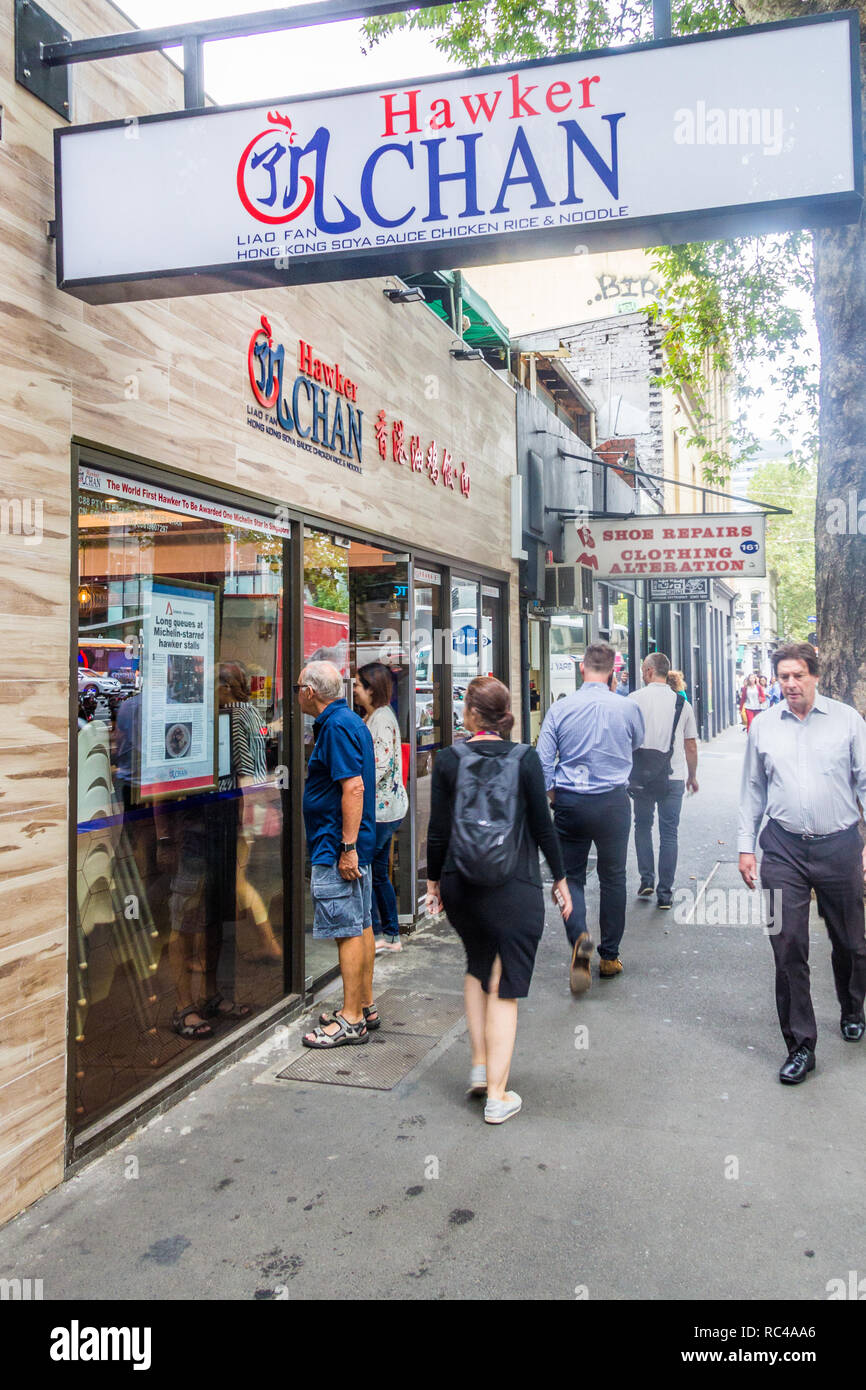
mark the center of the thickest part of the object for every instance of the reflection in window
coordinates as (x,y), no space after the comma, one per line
(180,869)
(491,631)
(465,657)
(427,641)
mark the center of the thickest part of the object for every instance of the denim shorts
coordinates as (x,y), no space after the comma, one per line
(341,907)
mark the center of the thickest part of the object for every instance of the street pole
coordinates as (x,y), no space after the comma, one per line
(661,19)
(193,73)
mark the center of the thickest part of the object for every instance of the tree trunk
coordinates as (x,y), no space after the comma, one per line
(840,314)
(840,556)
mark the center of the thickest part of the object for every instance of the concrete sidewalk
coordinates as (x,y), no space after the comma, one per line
(656,1155)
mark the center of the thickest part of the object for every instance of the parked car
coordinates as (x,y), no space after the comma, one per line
(95,683)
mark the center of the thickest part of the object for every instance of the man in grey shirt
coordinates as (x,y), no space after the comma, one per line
(805,767)
(585,746)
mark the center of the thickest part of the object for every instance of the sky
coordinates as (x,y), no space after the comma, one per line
(291,63)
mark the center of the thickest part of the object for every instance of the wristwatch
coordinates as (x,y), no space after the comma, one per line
(346,849)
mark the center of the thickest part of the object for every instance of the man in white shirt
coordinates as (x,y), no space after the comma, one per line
(805,768)
(658,705)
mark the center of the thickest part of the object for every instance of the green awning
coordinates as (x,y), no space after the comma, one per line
(485,329)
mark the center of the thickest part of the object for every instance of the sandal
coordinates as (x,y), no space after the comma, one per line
(372,1023)
(349,1035)
(190,1030)
(211,1008)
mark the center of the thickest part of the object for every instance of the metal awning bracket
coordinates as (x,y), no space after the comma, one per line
(768,508)
(34,31)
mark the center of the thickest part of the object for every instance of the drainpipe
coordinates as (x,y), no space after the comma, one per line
(524,673)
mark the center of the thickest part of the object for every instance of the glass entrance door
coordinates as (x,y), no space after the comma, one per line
(492,634)
(379,614)
(427,634)
(465,646)
(356,597)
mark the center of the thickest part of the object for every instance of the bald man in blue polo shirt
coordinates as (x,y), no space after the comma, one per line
(340,822)
(585,746)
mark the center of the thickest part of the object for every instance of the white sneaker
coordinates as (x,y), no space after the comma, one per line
(496,1112)
(477,1081)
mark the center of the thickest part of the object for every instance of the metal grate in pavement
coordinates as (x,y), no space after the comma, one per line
(412,1024)
(377,1065)
(410,1011)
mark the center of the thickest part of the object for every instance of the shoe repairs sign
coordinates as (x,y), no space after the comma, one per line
(719,543)
(705,136)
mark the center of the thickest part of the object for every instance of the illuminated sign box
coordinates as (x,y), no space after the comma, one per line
(706,136)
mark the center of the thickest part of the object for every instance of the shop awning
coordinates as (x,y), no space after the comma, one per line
(442,290)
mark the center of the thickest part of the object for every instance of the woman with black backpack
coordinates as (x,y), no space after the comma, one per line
(489,816)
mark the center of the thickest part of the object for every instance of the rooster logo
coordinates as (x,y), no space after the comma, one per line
(267,169)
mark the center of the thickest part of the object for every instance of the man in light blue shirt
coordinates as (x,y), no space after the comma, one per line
(585,746)
(805,767)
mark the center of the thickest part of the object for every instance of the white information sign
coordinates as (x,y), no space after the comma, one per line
(563,671)
(713,543)
(702,136)
(178,736)
(155,495)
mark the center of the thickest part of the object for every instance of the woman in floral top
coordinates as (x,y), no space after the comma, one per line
(373,691)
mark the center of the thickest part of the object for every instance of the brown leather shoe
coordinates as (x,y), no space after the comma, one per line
(580,974)
(606,968)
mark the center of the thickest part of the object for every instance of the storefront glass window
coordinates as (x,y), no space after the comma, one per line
(180,868)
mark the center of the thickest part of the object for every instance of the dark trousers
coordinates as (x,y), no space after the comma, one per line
(605,820)
(790,868)
(670,805)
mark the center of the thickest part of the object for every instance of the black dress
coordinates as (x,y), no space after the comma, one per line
(506,921)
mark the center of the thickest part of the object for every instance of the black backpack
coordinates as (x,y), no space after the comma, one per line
(651,767)
(487,825)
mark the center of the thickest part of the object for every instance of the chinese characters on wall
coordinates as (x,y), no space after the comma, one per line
(439,467)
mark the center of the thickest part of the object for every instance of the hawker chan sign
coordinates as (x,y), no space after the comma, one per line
(711,543)
(696,137)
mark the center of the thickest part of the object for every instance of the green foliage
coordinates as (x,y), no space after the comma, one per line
(724,304)
(790,542)
(502,31)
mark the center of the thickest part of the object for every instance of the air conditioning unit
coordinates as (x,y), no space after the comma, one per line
(568,586)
